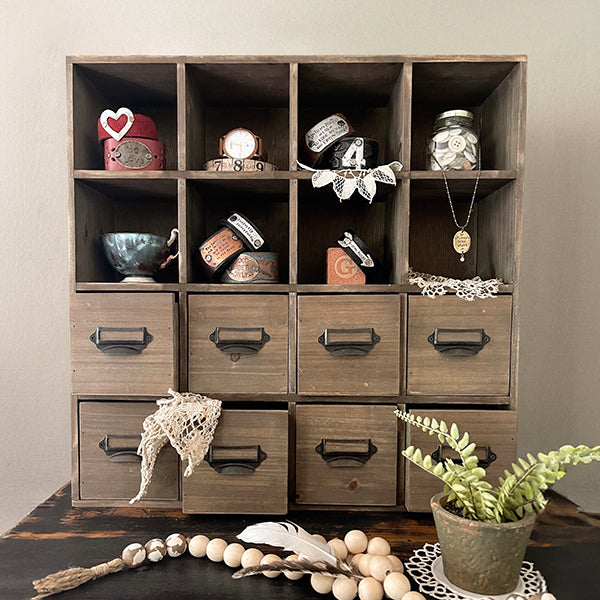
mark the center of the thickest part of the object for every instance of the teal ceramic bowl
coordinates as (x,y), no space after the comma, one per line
(138,256)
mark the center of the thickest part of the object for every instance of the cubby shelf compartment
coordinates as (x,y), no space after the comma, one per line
(264,201)
(146,88)
(222,96)
(372,96)
(492,227)
(322,219)
(120,205)
(492,91)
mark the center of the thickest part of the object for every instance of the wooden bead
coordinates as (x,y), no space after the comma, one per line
(251,557)
(322,584)
(378,545)
(269,558)
(133,555)
(356,541)
(155,550)
(363,565)
(215,549)
(197,546)
(176,545)
(232,556)
(355,560)
(370,589)
(293,575)
(396,585)
(339,548)
(413,596)
(543,596)
(380,567)
(344,588)
(319,537)
(397,564)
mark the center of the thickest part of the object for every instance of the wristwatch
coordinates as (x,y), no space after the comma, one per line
(241,143)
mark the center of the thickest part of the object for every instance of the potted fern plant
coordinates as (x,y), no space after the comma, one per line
(484,530)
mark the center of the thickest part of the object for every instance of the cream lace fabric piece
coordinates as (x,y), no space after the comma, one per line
(188,422)
(346,182)
(467,289)
(425,567)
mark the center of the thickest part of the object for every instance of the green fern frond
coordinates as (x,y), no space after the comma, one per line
(519,491)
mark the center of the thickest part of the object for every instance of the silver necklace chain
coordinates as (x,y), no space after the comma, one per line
(463,227)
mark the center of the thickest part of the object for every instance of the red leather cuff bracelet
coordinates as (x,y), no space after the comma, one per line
(134,154)
(123,124)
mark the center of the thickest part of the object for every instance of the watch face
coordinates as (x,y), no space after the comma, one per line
(240,143)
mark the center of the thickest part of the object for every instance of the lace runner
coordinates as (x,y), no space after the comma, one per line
(346,182)
(467,289)
(188,421)
(425,567)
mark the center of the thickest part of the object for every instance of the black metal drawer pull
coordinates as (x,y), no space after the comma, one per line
(247,340)
(348,342)
(458,342)
(440,454)
(235,460)
(346,453)
(107,342)
(121,453)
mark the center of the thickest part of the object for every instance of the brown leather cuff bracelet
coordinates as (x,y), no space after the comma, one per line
(253,267)
(218,251)
(245,230)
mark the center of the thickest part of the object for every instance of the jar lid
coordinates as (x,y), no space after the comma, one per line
(455,113)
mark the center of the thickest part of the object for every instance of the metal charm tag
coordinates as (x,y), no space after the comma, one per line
(109,114)
(461,243)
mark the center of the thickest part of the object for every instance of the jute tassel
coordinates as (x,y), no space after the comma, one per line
(72,578)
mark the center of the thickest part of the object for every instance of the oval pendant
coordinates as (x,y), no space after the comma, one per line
(461,241)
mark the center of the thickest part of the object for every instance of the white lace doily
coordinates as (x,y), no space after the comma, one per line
(467,289)
(346,182)
(425,567)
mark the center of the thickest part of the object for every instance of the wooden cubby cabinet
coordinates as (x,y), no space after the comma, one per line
(301,426)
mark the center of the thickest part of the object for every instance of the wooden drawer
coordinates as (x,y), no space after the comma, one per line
(247,472)
(238,323)
(346,454)
(444,372)
(114,473)
(494,432)
(342,319)
(128,363)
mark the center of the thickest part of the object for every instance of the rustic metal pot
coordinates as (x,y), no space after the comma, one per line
(479,556)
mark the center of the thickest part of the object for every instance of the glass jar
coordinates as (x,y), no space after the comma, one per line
(454,144)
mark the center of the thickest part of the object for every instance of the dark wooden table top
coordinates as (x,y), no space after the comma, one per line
(55,536)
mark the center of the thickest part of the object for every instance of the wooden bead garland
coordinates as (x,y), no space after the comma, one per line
(155,550)
(382,572)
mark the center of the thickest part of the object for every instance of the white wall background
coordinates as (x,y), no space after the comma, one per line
(560,336)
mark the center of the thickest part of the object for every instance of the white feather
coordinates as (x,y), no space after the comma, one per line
(289,537)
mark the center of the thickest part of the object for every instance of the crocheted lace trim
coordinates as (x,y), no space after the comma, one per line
(188,422)
(346,182)
(425,567)
(467,289)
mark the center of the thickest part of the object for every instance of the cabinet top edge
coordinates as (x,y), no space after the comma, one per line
(83,59)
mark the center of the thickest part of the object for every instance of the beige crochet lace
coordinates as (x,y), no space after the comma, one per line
(467,289)
(188,421)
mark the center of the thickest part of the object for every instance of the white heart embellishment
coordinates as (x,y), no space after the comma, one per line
(109,114)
